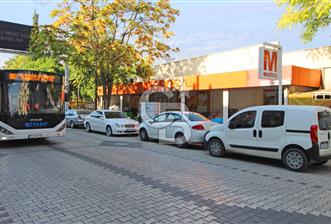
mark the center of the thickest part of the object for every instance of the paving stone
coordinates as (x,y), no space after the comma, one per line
(80,180)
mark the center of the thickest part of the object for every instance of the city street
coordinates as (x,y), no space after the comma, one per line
(91,178)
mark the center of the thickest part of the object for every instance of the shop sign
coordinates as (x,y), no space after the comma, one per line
(268,63)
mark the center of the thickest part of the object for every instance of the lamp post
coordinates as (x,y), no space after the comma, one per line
(66,86)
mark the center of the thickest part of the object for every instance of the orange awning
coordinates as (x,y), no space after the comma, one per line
(292,75)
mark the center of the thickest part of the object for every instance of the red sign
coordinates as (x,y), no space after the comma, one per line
(268,63)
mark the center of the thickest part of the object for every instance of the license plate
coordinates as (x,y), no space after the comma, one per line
(324,145)
(36,136)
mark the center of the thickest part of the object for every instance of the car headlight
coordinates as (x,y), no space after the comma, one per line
(118,125)
(5,131)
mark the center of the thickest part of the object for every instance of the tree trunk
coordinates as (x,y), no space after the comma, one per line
(96,90)
(110,88)
(104,88)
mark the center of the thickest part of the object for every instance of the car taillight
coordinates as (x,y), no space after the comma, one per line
(314,133)
(198,127)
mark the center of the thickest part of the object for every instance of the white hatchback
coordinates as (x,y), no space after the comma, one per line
(297,135)
(181,128)
(110,122)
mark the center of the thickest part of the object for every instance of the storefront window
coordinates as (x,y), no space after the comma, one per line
(270,96)
(199,102)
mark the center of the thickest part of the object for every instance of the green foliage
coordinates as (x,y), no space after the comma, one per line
(27,63)
(83,80)
(110,41)
(312,14)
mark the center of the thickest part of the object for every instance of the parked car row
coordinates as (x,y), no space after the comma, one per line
(181,128)
(75,118)
(296,135)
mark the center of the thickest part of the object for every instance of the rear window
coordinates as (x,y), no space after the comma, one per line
(195,117)
(324,120)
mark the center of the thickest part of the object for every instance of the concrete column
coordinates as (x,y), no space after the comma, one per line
(225,104)
(121,103)
(100,105)
(182,101)
(286,96)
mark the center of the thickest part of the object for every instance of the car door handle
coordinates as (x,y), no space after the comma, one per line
(260,133)
(329,136)
(254,133)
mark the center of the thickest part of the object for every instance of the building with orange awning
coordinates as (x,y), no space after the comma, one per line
(217,84)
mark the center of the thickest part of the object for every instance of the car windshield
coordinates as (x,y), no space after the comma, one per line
(324,120)
(195,117)
(115,115)
(83,112)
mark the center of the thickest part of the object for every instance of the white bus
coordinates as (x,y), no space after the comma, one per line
(31,104)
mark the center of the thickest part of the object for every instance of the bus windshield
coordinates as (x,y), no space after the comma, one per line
(23,98)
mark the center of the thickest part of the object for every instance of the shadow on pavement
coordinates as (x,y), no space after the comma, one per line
(25,143)
(318,169)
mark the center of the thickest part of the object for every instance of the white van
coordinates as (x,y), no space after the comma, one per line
(297,135)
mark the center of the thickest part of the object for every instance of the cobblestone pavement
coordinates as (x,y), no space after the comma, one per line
(91,178)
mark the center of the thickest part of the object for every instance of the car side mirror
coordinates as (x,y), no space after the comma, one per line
(150,122)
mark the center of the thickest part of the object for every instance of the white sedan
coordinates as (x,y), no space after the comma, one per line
(182,128)
(110,122)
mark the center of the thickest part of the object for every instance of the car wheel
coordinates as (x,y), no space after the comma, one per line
(143,135)
(180,140)
(295,159)
(216,147)
(109,131)
(72,124)
(88,127)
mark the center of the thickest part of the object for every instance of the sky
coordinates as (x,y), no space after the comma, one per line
(203,26)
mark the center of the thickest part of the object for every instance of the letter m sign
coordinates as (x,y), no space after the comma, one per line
(268,63)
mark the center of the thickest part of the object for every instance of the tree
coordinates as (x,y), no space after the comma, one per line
(312,14)
(115,40)
(28,63)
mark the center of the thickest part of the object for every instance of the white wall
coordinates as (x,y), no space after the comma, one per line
(241,59)
(316,58)
(327,78)
(228,61)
